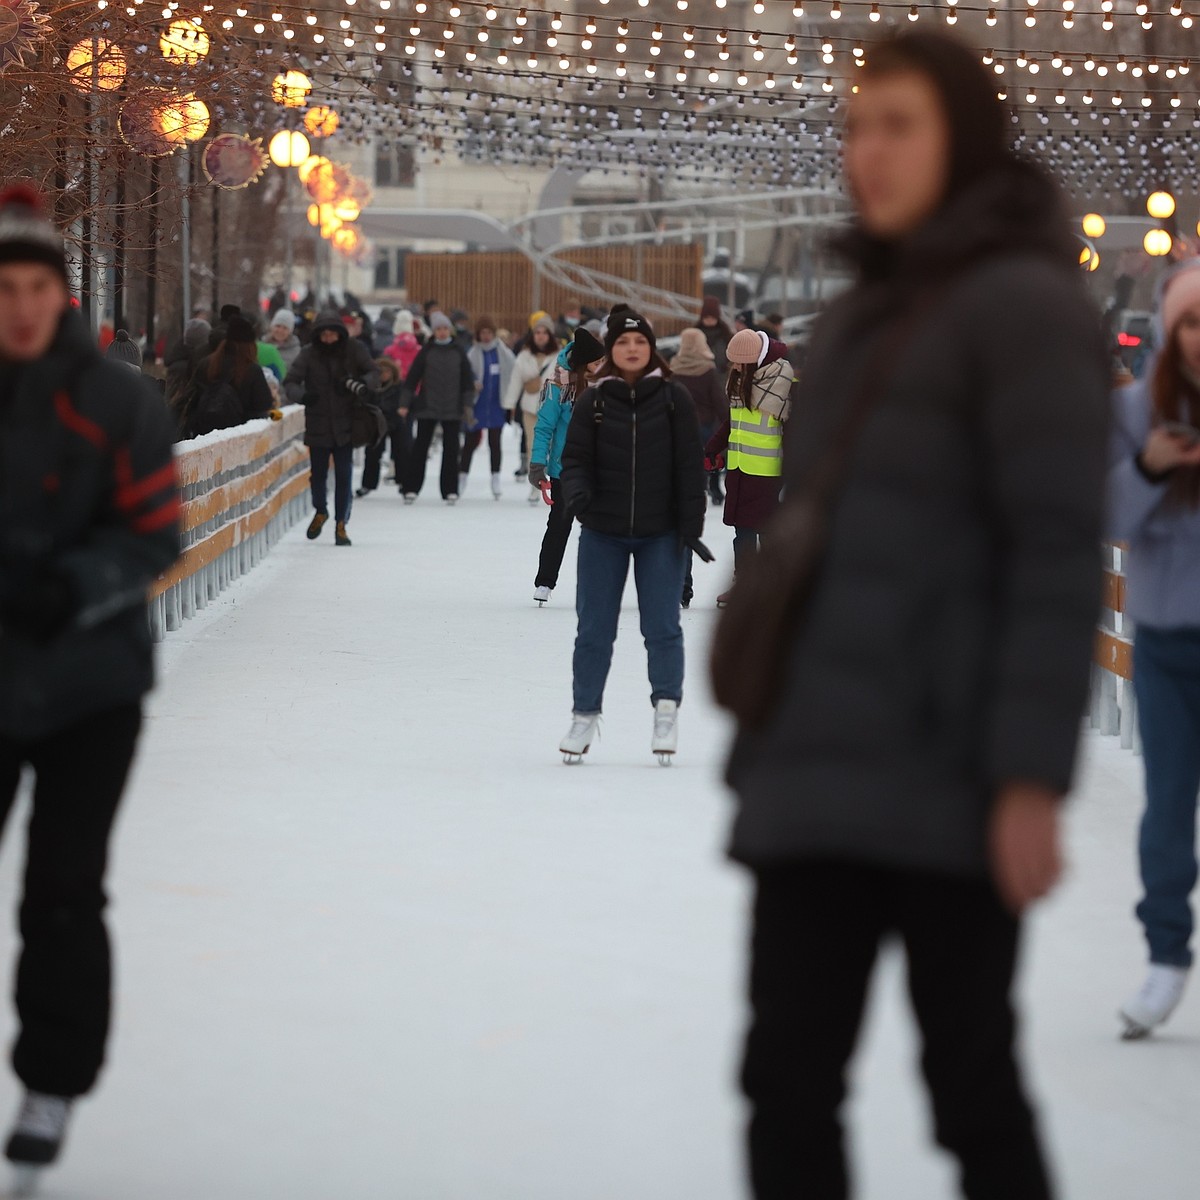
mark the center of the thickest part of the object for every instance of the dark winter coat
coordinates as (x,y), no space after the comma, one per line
(638,471)
(317,380)
(252,391)
(87,491)
(718,337)
(947,648)
(708,395)
(390,401)
(441,383)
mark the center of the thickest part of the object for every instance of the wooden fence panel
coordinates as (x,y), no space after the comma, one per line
(501,284)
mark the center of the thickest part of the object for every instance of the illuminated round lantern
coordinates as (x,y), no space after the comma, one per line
(347,240)
(328,183)
(184,42)
(329,223)
(184,120)
(1161,205)
(1089,260)
(1094,262)
(1094,225)
(96,63)
(347,210)
(288,148)
(291,89)
(141,122)
(321,122)
(1157,243)
(310,164)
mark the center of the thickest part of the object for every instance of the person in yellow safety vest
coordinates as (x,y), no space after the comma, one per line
(750,444)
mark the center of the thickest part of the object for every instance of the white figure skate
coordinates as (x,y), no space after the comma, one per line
(584,727)
(1152,1006)
(666,731)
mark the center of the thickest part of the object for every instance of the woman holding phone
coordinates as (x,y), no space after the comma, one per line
(1154,490)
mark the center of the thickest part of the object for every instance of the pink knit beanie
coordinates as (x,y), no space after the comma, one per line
(746,346)
(1182,293)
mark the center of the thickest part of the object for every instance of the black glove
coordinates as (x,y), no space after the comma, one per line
(41,609)
(537,472)
(355,387)
(309,399)
(699,549)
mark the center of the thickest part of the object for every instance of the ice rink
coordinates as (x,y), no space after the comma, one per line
(375,942)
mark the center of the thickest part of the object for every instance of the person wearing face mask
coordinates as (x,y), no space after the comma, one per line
(89,516)
(1154,490)
(905,774)
(633,475)
(492,365)
(331,373)
(440,390)
(570,320)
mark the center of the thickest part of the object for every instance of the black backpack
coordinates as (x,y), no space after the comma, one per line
(215,404)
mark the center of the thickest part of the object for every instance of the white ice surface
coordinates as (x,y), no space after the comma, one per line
(377,943)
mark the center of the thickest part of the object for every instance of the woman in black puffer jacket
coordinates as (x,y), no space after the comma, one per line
(633,473)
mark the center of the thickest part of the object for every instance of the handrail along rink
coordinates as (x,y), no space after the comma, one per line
(242,490)
(1114,707)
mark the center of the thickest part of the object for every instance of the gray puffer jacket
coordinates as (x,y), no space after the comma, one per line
(946,650)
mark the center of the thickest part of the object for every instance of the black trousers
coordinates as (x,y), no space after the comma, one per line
(400,441)
(414,476)
(64,976)
(473,440)
(817,930)
(555,539)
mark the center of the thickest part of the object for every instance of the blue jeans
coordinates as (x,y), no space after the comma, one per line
(343,479)
(658,572)
(1166,678)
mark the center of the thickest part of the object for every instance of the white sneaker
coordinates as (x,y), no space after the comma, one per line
(666,730)
(1158,999)
(452,499)
(41,1126)
(542,594)
(497,489)
(578,741)
(462,484)
(410,497)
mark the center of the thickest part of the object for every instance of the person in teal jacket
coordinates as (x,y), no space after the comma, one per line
(570,379)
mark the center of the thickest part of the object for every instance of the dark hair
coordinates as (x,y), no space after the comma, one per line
(979,123)
(531,340)
(1169,389)
(739,387)
(238,358)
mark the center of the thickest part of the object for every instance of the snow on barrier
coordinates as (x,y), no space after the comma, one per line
(242,489)
(1114,709)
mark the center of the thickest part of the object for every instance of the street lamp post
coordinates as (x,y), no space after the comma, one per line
(288,148)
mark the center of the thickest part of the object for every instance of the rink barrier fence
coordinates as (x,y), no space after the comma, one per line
(1113,706)
(242,490)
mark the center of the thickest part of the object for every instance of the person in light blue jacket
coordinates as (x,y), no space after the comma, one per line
(1154,498)
(570,379)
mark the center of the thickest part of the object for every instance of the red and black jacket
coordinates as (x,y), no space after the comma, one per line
(88,489)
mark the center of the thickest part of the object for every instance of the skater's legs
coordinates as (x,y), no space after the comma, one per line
(471,442)
(962,945)
(319,477)
(401,438)
(554,542)
(343,482)
(494,447)
(745,542)
(64,976)
(1166,676)
(603,568)
(373,458)
(658,567)
(414,476)
(817,928)
(451,436)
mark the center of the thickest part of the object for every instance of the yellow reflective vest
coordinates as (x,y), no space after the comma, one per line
(755,443)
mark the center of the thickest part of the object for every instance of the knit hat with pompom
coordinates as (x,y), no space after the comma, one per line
(26,234)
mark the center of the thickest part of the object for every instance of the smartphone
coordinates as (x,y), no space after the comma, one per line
(1189,433)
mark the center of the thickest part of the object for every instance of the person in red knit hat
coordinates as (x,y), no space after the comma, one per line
(89,515)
